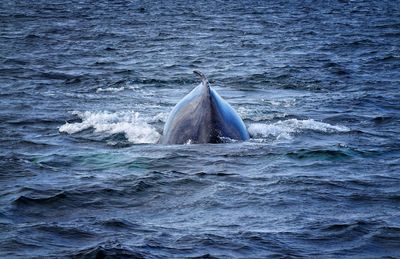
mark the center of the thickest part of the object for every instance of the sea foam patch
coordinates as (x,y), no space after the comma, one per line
(136,130)
(110,89)
(286,128)
(117,89)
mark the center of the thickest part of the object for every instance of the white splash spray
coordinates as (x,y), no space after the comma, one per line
(286,128)
(110,89)
(135,129)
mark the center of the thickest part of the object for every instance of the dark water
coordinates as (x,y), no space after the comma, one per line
(85,91)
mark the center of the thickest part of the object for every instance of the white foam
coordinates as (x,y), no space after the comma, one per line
(110,89)
(243,112)
(135,129)
(160,117)
(117,89)
(286,102)
(286,128)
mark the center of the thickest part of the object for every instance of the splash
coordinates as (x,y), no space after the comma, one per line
(110,89)
(160,117)
(286,128)
(136,130)
(117,89)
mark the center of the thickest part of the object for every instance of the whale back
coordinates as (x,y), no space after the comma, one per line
(190,119)
(202,116)
(226,120)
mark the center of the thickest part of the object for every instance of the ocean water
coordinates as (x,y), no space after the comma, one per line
(86,87)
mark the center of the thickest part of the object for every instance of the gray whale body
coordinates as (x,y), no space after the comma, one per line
(202,116)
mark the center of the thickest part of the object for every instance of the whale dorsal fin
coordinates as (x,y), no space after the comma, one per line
(202,76)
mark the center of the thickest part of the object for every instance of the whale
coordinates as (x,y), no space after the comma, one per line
(203,116)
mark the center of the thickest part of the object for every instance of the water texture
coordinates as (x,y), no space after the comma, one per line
(86,87)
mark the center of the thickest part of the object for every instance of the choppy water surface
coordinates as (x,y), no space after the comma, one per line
(86,88)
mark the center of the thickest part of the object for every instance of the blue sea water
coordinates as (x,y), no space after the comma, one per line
(86,87)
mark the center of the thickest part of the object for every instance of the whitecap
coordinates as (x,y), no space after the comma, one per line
(110,89)
(136,129)
(160,117)
(243,112)
(286,128)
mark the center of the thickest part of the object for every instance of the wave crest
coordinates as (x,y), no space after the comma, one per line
(286,128)
(135,129)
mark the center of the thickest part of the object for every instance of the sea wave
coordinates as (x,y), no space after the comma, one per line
(135,128)
(117,89)
(110,89)
(286,128)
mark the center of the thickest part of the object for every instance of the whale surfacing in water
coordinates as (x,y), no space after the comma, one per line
(203,116)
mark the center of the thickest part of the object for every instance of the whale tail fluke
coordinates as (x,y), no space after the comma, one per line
(202,76)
